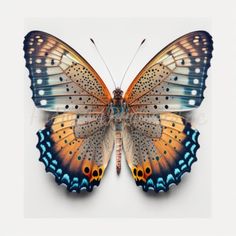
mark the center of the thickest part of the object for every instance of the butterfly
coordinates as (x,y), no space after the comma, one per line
(77,142)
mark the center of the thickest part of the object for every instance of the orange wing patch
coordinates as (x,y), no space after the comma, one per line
(77,162)
(156,163)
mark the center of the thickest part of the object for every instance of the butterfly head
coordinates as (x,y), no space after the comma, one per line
(117,99)
(118,93)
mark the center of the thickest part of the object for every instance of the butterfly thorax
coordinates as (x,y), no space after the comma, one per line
(118,107)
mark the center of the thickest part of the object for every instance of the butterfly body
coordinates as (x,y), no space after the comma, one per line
(118,115)
(76,144)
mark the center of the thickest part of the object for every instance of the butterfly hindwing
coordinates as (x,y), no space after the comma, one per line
(174,79)
(156,163)
(61,79)
(75,159)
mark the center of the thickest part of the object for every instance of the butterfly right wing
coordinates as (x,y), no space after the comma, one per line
(76,158)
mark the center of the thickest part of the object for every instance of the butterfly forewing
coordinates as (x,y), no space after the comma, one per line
(61,79)
(174,80)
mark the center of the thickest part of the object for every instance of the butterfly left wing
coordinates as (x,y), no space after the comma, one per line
(75,158)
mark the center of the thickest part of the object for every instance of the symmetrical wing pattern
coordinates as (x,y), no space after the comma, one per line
(174,79)
(77,142)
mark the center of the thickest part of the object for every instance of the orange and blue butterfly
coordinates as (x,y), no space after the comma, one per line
(78,141)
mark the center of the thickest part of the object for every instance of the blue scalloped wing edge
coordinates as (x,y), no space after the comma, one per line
(47,156)
(162,184)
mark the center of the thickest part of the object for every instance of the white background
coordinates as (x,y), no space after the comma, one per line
(117,196)
(222,219)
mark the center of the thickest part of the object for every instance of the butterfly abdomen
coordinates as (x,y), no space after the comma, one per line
(118,113)
(118,142)
(118,136)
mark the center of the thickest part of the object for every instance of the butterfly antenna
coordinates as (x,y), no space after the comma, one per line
(103,61)
(132,61)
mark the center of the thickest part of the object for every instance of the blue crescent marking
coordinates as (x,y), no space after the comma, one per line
(41,136)
(150,182)
(49,155)
(170,178)
(191,160)
(187,144)
(186,155)
(45,161)
(192,148)
(48,143)
(194,136)
(160,185)
(54,162)
(52,167)
(181,162)
(66,178)
(84,182)
(177,171)
(183,167)
(160,180)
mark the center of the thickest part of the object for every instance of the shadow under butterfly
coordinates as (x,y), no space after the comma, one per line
(78,140)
